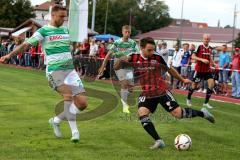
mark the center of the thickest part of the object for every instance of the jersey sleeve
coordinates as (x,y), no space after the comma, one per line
(36,38)
(198,51)
(113,48)
(136,48)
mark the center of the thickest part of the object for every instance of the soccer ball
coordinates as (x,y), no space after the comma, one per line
(183,142)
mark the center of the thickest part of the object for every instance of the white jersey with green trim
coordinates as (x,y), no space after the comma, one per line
(123,48)
(56,45)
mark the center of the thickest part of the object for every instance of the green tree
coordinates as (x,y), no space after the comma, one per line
(145,15)
(228,26)
(237,41)
(152,14)
(15,12)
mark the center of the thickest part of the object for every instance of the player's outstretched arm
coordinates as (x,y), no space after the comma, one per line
(102,68)
(21,48)
(176,75)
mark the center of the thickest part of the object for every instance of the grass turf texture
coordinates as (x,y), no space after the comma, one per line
(26,104)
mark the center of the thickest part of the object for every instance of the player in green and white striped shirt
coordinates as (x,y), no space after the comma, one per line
(60,70)
(122,47)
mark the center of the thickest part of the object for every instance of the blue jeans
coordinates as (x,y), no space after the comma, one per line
(236,84)
(27,59)
(223,76)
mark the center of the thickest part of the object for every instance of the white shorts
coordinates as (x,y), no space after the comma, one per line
(66,77)
(125,74)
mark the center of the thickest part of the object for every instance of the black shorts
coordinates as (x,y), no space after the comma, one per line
(167,101)
(198,76)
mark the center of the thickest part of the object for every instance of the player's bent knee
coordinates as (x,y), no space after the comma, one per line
(177,113)
(80,102)
(142,111)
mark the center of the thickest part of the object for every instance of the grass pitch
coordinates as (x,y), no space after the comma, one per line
(26,104)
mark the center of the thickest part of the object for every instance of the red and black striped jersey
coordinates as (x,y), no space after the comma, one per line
(149,73)
(205,53)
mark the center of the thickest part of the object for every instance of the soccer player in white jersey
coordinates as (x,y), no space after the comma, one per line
(60,71)
(122,47)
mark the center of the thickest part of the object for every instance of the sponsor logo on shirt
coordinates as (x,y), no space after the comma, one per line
(206,53)
(57,37)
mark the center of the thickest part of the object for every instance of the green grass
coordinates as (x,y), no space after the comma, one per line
(26,104)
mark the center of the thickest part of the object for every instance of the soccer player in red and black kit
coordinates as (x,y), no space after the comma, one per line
(202,70)
(149,69)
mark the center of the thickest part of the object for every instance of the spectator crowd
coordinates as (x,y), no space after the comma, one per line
(88,57)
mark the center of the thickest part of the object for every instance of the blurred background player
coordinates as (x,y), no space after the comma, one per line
(119,48)
(202,70)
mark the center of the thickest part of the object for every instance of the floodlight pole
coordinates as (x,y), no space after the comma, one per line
(93,15)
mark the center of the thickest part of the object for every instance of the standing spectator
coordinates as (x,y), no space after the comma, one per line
(164,52)
(236,74)
(33,56)
(224,60)
(102,53)
(93,49)
(176,63)
(92,68)
(192,62)
(159,47)
(41,56)
(2,49)
(185,63)
(76,56)
(85,48)
(20,55)
(27,58)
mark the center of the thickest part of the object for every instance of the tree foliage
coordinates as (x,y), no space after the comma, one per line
(15,12)
(145,15)
(237,41)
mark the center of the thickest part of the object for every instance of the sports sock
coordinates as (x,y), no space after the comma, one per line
(60,117)
(124,95)
(72,110)
(208,95)
(149,127)
(190,92)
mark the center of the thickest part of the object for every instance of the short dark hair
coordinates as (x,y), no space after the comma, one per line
(58,7)
(146,40)
(164,44)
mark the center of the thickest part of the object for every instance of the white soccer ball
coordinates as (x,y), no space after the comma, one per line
(183,142)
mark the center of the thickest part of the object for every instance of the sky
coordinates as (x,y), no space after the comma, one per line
(209,11)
